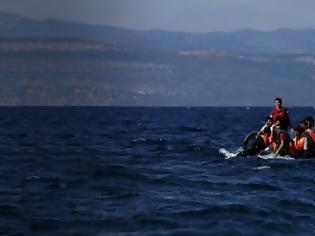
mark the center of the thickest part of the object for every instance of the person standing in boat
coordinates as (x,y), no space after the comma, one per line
(281,113)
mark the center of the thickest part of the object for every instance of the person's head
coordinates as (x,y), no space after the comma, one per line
(303,124)
(268,121)
(309,121)
(298,131)
(278,102)
(277,124)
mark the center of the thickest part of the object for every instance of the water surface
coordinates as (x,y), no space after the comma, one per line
(146,171)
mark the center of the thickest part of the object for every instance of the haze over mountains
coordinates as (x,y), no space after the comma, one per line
(64,63)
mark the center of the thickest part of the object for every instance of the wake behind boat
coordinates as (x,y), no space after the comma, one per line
(264,155)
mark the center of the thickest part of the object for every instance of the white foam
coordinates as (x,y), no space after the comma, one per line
(262,167)
(268,156)
(228,154)
(272,156)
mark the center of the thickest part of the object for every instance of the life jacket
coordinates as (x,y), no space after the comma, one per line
(311,133)
(273,140)
(267,133)
(266,139)
(310,136)
(292,150)
(299,143)
(296,146)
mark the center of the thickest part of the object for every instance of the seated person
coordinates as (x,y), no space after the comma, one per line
(298,146)
(310,137)
(280,139)
(253,145)
(302,125)
(265,131)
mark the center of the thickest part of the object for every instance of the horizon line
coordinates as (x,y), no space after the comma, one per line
(154,29)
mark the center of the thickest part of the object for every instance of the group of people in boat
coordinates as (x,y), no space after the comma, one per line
(274,136)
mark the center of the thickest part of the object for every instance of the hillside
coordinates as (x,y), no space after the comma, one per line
(282,41)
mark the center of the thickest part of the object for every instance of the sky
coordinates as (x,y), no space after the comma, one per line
(173,15)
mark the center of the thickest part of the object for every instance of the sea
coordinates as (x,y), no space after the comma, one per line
(147,171)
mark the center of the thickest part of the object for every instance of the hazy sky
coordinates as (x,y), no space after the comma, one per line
(179,15)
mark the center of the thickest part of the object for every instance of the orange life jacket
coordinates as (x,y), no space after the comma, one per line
(274,146)
(266,139)
(296,146)
(311,133)
(299,143)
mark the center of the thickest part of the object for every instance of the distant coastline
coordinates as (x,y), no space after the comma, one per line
(57,63)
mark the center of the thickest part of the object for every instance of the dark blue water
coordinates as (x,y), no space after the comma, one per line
(146,171)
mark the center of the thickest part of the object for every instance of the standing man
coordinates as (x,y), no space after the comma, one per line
(281,113)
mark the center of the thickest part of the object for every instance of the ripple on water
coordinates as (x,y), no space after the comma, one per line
(146,171)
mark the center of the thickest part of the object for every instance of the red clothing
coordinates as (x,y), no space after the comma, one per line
(278,136)
(296,147)
(282,115)
(311,133)
(282,136)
